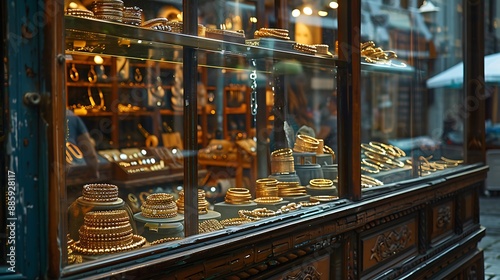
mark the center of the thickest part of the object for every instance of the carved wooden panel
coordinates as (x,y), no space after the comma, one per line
(389,243)
(468,208)
(316,269)
(442,220)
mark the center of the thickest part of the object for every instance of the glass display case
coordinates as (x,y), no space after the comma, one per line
(137,119)
(269,136)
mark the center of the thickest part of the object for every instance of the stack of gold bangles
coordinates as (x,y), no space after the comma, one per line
(282,161)
(105,232)
(202,203)
(291,189)
(266,187)
(100,192)
(321,183)
(305,144)
(380,157)
(238,196)
(321,49)
(160,206)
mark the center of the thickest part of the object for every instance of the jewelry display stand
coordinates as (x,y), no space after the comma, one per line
(231,210)
(321,191)
(155,228)
(210,215)
(77,210)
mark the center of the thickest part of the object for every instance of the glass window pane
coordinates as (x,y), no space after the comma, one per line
(412,110)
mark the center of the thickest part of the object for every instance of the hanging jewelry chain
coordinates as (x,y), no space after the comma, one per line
(253,86)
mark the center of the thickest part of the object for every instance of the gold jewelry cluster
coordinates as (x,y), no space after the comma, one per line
(373,54)
(202,203)
(160,206)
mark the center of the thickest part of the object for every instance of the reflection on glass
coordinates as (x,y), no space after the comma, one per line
(408,129)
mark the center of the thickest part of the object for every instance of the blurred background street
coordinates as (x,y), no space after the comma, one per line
(490,219)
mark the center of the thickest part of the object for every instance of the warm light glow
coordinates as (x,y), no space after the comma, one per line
(307,10)
(179,16)
(334,5)
(295,13)
(98,59)
(73,5)
(322,13)
(253,19)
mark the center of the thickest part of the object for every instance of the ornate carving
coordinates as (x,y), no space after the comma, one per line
(444,217)
(310,273)
(391,243)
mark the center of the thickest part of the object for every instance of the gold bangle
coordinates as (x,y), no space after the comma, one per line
(373,149)
(454,161)
(371,180)
(268,200)
(321,183)
(373,170)
(323,198)
(379,165)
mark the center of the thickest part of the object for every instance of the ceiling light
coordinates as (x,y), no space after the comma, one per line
(295,13)
(322,13)
(307,10)
(98,59)
(333,5)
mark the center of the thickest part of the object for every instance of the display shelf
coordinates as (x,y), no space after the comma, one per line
(142,43)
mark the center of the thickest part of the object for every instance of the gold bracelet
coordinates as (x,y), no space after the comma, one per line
(323,198)
(268,200)
(370,180)
(73,73)
(92,75)
(374,163)
(321,183)
(166,239)
(454,161)
(234,222)
(308,203)
(370,169)
(248,215)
